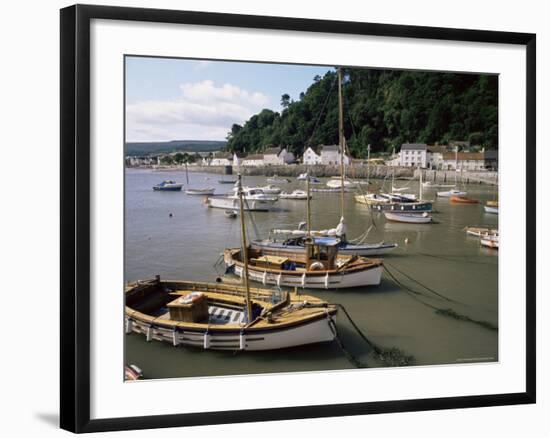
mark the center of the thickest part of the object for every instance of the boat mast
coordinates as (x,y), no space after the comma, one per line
(308,208)
(341,138)
(420,184)
(392,171)
(245,252)
(368,168)
(186,173)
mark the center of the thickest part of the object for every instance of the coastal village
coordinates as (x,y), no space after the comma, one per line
(455,156)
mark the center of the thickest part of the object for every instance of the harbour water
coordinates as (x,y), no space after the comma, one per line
(437,259)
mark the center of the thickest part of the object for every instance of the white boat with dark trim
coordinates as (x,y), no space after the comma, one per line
(481,231)
(299,195)
(200,192)
(168,186)
(254,200)
(452,192)
(409,218)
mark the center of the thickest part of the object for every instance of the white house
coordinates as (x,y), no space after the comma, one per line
(253,160)
(238,158)
(413,155)
(465,161)
(330,155)
(222,159)
(435,156)
(310,157)
(277,156)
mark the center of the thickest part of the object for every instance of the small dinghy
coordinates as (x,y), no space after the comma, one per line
(481,231)
(200,192)
(491,207)
(453,192)
(463,200)
(489,241)
(168,186)
(409,218)
(231,214)
(277,180)
(298,195)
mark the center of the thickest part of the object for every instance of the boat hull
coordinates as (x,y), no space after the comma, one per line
(416,207)
(168,189)
(491,210)
(462,200)
(233,204)
(407,218)
(307,333)
(312,280)
(450,193)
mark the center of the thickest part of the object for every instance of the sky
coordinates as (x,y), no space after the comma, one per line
(179,99)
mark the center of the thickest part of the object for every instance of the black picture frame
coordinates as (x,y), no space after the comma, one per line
(75,216)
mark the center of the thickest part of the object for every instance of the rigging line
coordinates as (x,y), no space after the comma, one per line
(321,112)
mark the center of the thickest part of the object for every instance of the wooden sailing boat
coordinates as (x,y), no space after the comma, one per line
(226,317)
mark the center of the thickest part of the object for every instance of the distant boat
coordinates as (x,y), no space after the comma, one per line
(227,181)
(409,218)
(204,192)
(463,200)
(329,190)
(430,184)
(491,207)
(168,186)
(277,180)
(404,207)
(489,241)
(449,193)
(312,179)
(481,231)
(298,195)
(231,214)
(255,200)
(336,183)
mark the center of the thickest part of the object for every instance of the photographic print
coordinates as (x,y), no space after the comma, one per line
(298,218)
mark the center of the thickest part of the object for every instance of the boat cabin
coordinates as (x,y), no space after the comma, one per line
(321,253)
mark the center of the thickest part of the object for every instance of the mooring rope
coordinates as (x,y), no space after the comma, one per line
(438,310)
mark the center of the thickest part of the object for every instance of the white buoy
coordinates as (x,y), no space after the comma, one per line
(242,341)
(149,333)
(206,341)
(175,338)
(128,325)
(406,240)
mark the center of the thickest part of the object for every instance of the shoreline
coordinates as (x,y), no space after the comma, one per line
(320,171)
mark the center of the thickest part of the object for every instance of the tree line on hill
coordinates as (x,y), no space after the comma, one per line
(383,108)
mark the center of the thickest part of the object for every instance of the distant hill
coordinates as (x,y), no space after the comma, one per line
(152,148)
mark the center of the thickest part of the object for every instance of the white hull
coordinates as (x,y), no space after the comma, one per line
(490,241)
(297,195)
(368,277)
(233,204)
(491,210)
(408,218)
(337,183)
(200,192)
(450,193)
(307,333)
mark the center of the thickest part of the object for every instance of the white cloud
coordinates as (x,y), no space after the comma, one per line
(201,65)
(204,111)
